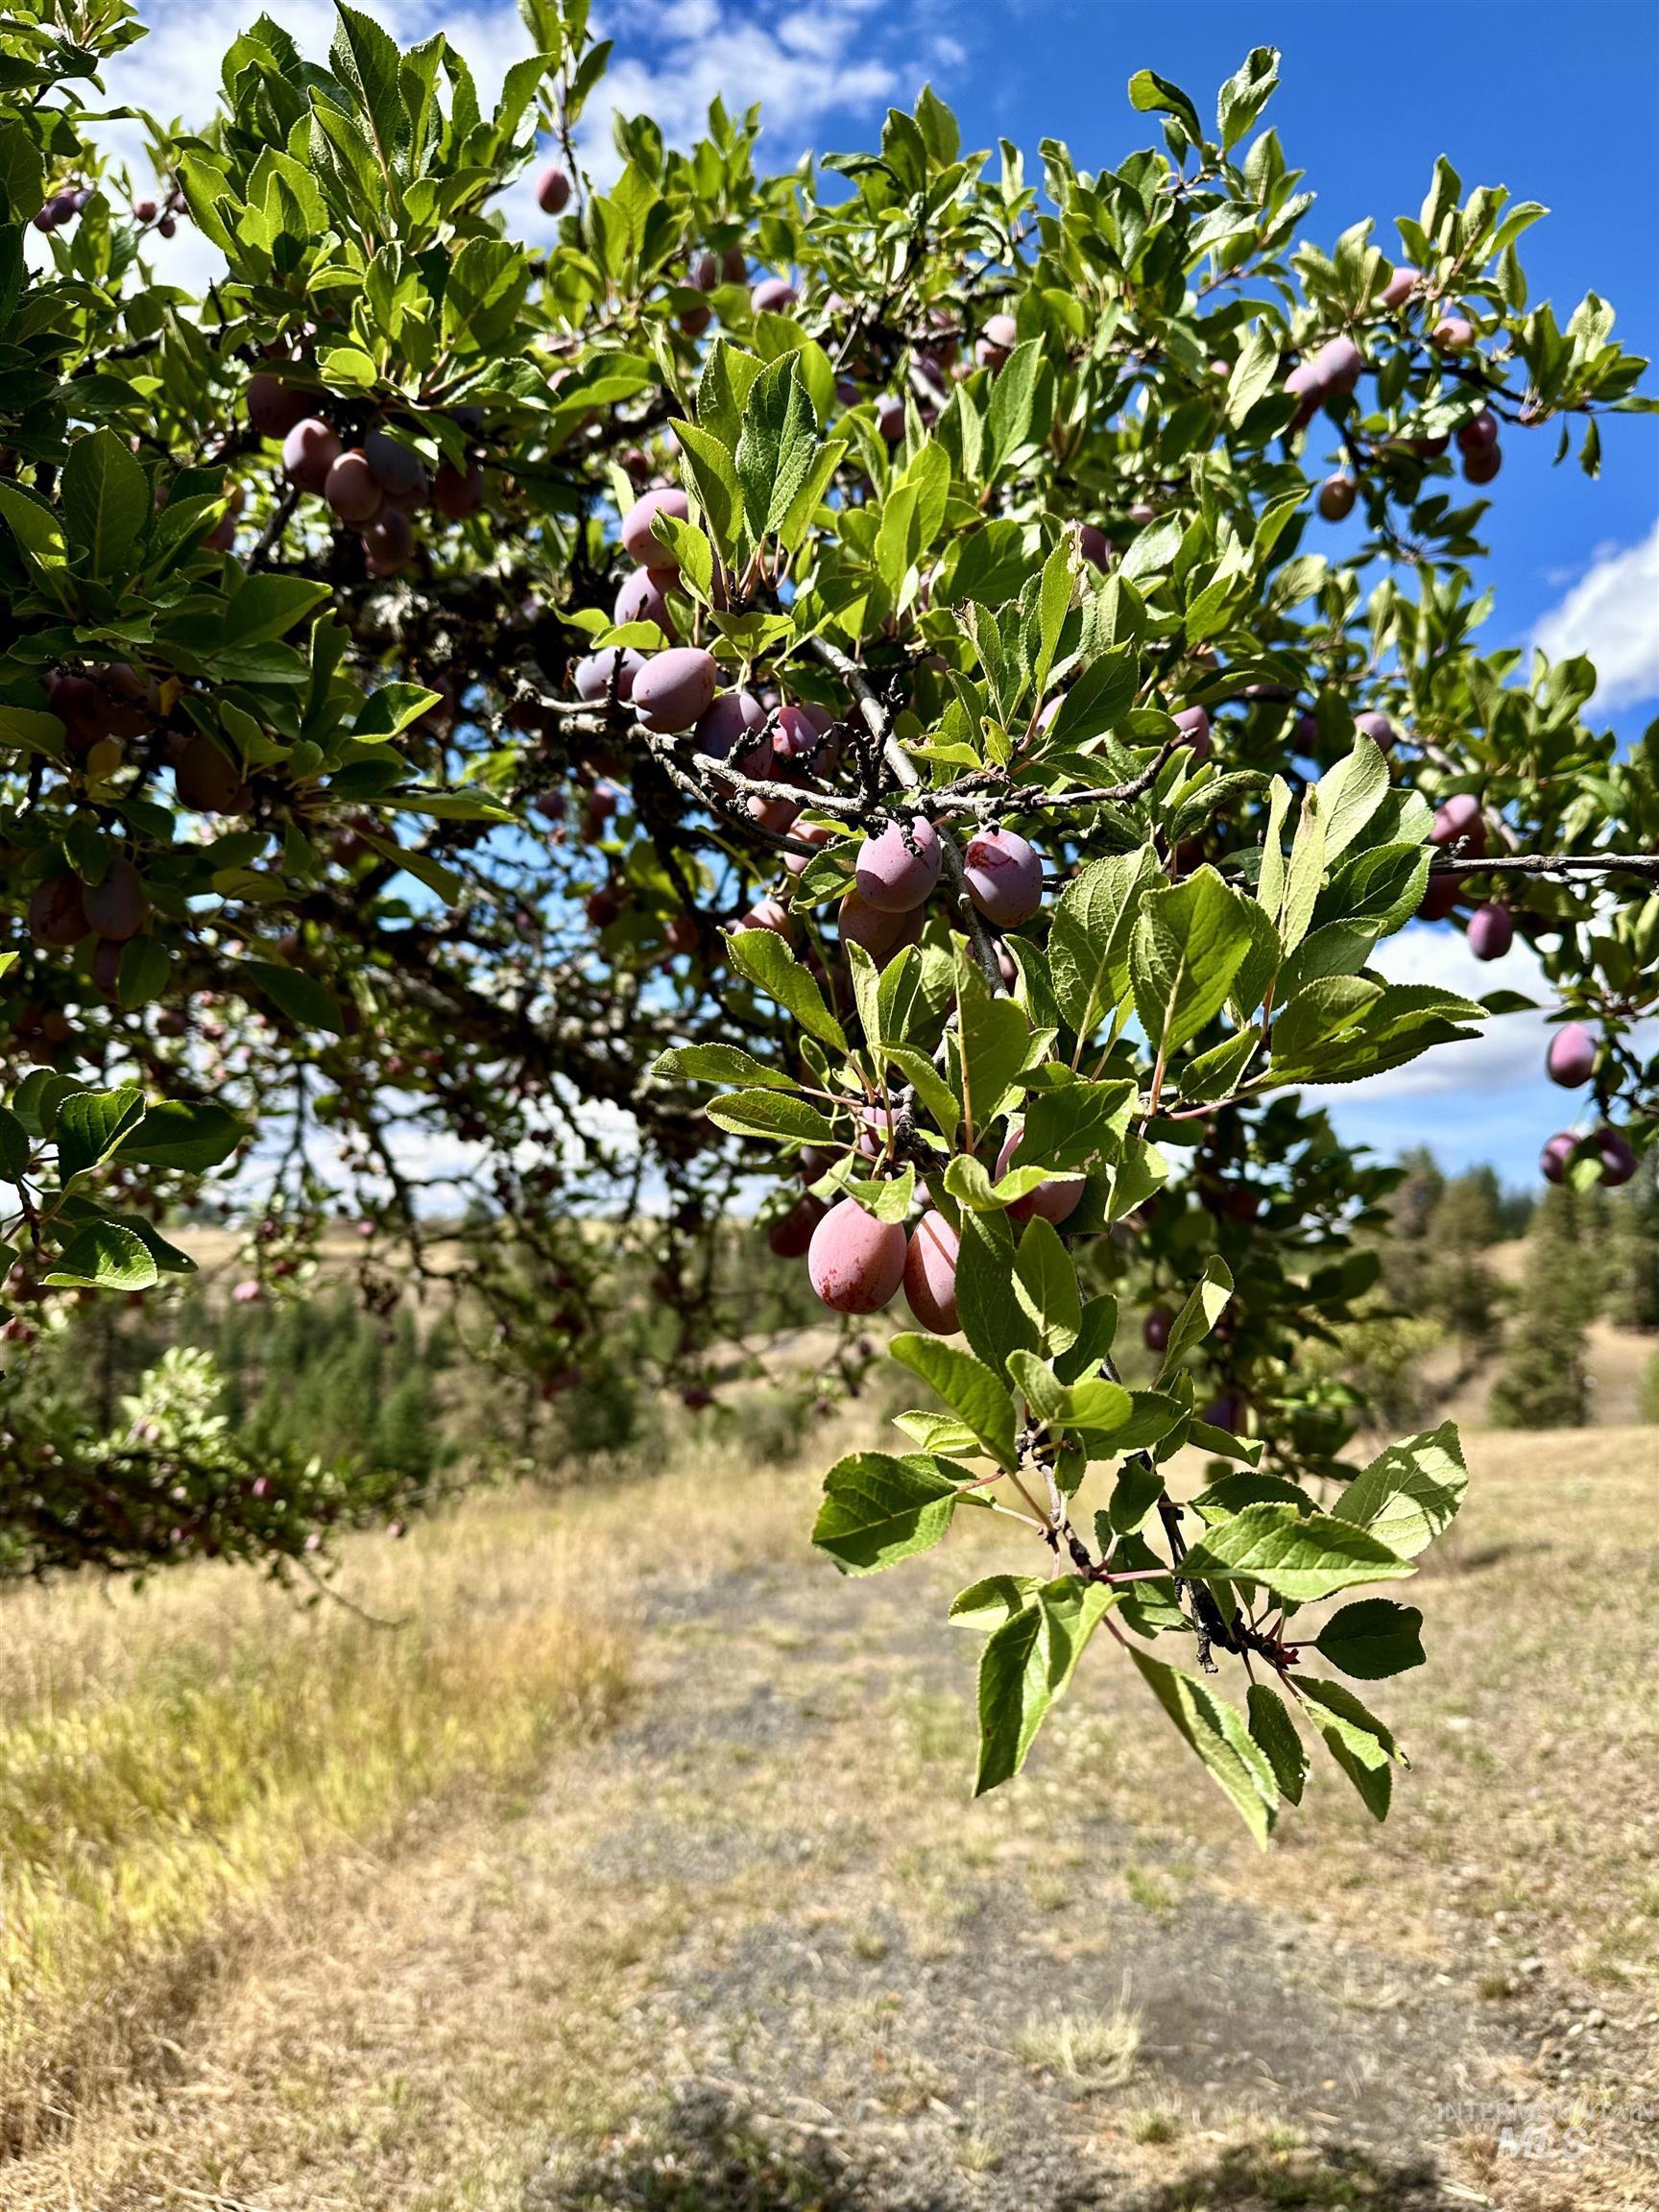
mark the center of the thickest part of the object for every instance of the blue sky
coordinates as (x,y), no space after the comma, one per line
(1559,103)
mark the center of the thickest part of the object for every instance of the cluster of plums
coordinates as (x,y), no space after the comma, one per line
(1571,1062)
(375,487)
(63,206)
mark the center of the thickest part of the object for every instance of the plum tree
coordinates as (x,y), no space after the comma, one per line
(630,874)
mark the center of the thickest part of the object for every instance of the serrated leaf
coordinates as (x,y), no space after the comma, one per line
(879,1507)
(763,955)
(190,1136)
(967,1386)
(91,1124)
(1216,1732)
(1198,1314)
(1411,1492)
(103,1256)
(1295,1555)
(1372,1639)
(1275,1732)
(1025,1665)
(767,1113)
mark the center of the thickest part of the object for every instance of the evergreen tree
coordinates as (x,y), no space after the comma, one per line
(1543,1384)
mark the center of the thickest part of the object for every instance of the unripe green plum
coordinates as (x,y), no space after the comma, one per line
(57,912)
(930,1275)
(1055,1200)
(674,687)
(350,490)
(637,541)
(206,779)
(854,1263)
(309,450)
(897,870)
(643,598)
(275,408)
(1004,876)
(117,908)
(552,190)
(1571,1056)
(1336,496)
(1491,932)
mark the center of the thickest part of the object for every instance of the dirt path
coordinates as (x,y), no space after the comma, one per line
(758,1950)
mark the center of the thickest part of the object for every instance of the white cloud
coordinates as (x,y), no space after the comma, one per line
(1510,1050)
(1612,614)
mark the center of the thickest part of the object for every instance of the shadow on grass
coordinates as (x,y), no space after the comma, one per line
(707,2155)
(1333,2177)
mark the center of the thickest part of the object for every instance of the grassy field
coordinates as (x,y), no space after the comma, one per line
(633,1866)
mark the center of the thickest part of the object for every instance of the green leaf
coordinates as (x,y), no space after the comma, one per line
(1137,1490)
(105,501)
(1188,942)
(265,606)
(1199,1315)
(1373,1638)
(366,61)
(986,1606)
(92,1123)
(1297,1556)
(721,1064)
(14,1147)
(142,972)
(763,955)
(1362,1745)
(1025,1665)
(1013,416)
(969,1388)
(879,1507)
(1148,90)
(1411,1492)
(1046,1284)
(1254,375)
(1275,1732)
(1088,936)
(189,1137)
(103,1256)
(993,1322)
(776,443)
(301,998)
(770,1114)
(1348,795)
(1216,1732)
(993,1038)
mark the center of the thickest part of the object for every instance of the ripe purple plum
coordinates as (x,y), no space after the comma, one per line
(1491,932)
(1479,434)
(57,912)
(552,190)
(777,816)
(397,469)
(1337,365)
(1055,1200)
(808,833)
(1460,822)
(1482,467)
(275,408)
(593,674)
(1096,547)
(1557,1153)
(882,934)
(791,1233)
(350,490)
(1004,876)
(1192,728)
(897,870)
(1618,1160)
(732,728)
(1337,498)
(1378,727)
(309,450)
(675,687)
(643,598)
(1571,1059)
(1306,388)
(1156,1327)
(458,493)
(772,296)
(389,541)
(930,1275)
(768,914)
(1000,336)
(1400,287)
(117,908)
(854,1263)
(1439,898)
(1452,334)
(637,541)
(890,418)
(206,780)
